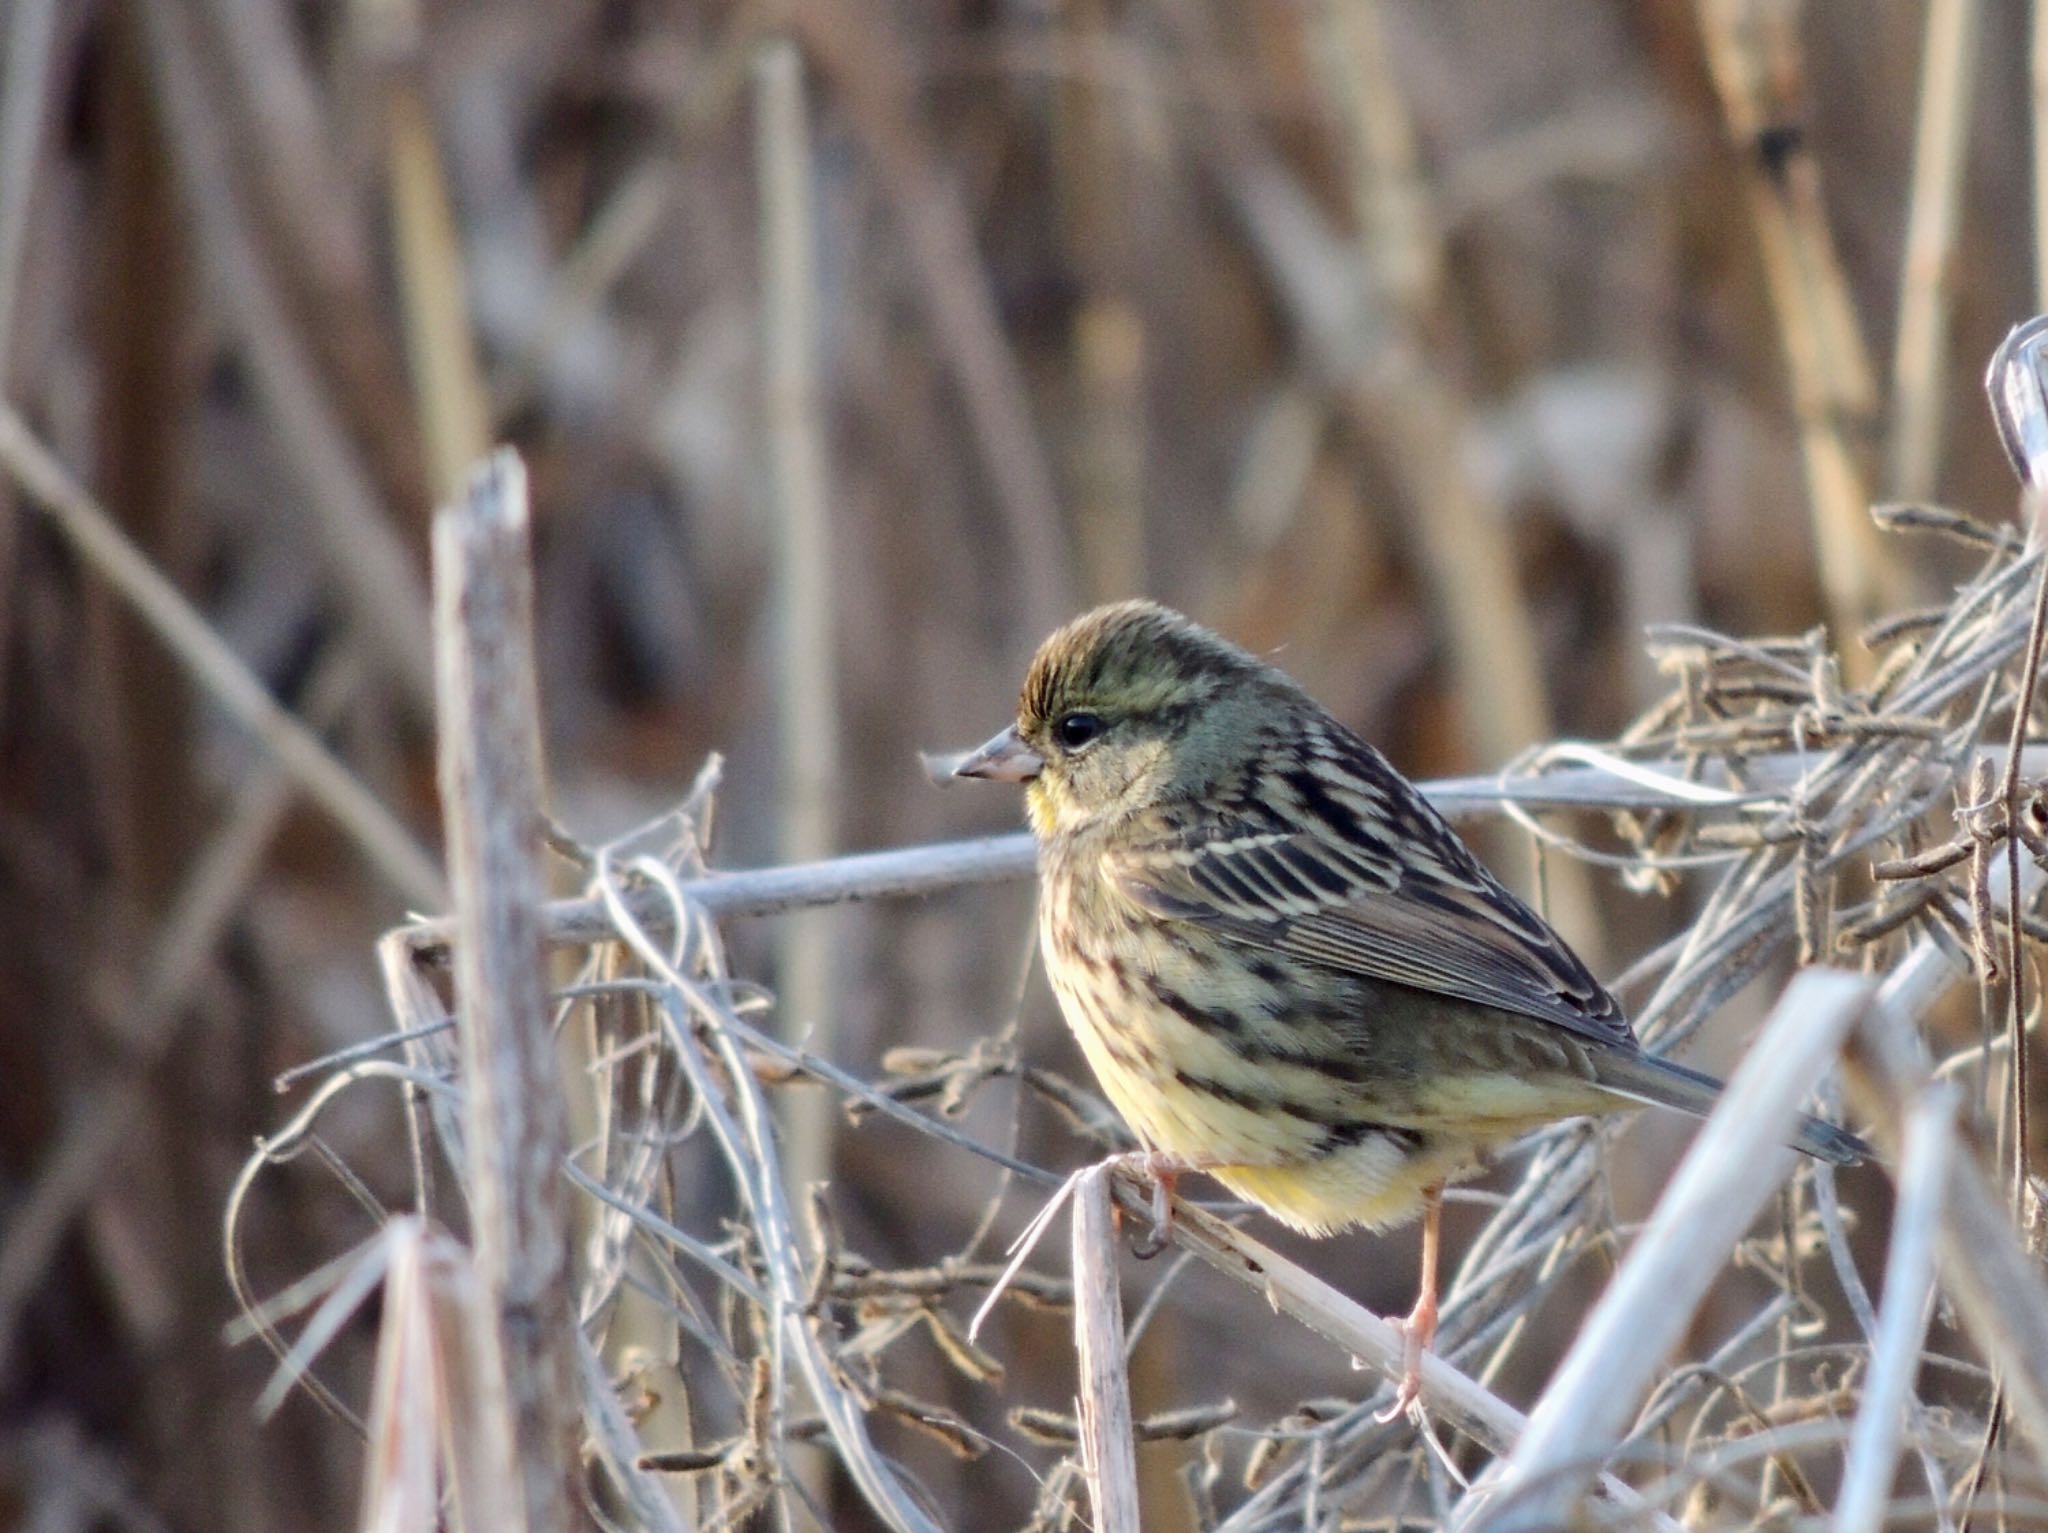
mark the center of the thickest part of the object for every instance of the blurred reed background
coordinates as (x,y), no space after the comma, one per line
(852,344)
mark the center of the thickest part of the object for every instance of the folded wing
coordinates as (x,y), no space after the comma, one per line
(1313,874)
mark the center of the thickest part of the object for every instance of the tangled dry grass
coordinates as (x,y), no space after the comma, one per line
(731,1338)
(1446,340)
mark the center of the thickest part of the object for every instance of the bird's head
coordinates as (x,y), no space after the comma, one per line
(1126,707)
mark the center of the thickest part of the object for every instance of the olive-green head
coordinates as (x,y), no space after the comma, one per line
(1127,707)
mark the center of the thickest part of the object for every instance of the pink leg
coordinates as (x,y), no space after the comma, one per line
(1419,1329)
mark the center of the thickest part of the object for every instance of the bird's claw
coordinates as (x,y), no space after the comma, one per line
(1163,1172)
(1407,1394)
(1418,1330)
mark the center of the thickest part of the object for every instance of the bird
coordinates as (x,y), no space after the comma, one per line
(1283,966)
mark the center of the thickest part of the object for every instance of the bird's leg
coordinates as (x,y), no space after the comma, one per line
(1419,1329)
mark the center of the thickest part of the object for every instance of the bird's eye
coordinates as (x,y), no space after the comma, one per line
(1077,729)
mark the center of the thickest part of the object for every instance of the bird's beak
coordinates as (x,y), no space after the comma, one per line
(1006,758)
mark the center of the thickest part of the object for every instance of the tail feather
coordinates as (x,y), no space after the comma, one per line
(1663,1083)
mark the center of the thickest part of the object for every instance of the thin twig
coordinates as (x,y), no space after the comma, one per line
(911,872)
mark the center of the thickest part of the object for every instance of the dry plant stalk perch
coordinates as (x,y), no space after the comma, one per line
(514,1123)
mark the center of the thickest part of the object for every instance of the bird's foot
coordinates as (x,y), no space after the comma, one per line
(1418,1330)
(1163,1170)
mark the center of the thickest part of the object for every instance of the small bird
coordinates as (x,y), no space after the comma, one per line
(1282,964)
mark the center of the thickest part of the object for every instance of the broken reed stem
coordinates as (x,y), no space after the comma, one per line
(1109,1459)
(515,1133)
(1735,1164)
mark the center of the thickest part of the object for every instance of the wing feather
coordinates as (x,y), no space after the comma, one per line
(1339,862)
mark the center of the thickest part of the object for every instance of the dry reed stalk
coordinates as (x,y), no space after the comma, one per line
(1754,55)
(373,570)
(1927,1148)
(447,380)
(514,1134)
(2017,383)
(862,59)
(215,668)
(1920,361)
(806,650)
(98,1127)
(2037,99)
(794,467)
(24,97)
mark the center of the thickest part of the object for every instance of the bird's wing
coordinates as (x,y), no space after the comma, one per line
(1343,865)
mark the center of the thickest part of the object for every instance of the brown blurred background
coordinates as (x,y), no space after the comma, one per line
(1445,343)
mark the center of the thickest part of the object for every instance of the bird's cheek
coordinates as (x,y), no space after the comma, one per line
(1041,806)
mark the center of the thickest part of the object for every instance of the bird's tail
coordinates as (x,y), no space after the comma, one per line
(1661,1083)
